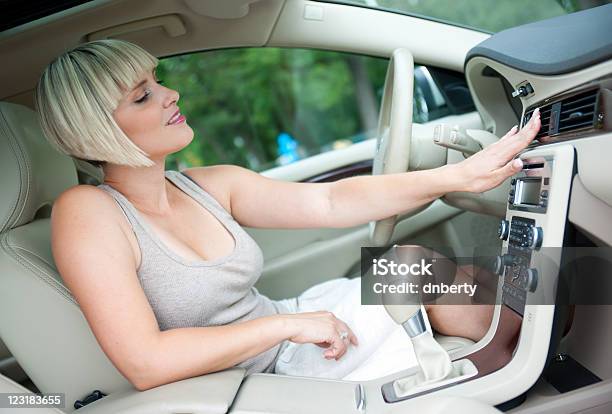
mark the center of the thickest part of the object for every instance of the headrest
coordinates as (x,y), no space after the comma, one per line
(32,172)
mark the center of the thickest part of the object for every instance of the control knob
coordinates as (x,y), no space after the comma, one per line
(535,236)
(504,229)
(501,262)
(532,279)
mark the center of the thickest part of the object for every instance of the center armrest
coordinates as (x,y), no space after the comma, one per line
(211,393)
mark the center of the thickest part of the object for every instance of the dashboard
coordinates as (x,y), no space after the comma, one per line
(564,67)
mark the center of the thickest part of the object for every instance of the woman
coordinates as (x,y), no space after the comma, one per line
(166,280)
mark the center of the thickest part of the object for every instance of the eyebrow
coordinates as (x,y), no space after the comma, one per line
(142,82)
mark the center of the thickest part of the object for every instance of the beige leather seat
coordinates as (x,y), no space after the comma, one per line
(9,386)
(40,322)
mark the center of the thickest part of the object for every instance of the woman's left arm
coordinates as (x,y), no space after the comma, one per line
(258,201)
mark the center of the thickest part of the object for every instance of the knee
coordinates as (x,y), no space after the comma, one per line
(468,321)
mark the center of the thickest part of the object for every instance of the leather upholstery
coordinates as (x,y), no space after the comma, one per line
(40,322)
(33,173)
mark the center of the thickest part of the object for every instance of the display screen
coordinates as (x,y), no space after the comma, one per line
(528,191)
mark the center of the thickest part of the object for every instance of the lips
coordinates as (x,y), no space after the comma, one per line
(176,118)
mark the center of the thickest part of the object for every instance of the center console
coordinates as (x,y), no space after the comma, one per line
(533,229)
(527,201)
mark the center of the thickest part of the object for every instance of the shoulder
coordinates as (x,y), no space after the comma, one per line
(220,181)
(84,211)
(84,200)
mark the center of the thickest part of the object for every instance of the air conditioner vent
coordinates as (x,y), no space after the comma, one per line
(573,113)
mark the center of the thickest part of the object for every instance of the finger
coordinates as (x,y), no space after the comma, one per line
(354,340)
(351,337)
(530,130)
(524,137)
(342,350)
(334,353)
(329,352)
(341,345)
(336,346)
(510,133)
(511,168)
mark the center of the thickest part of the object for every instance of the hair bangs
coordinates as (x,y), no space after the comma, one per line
(118,68)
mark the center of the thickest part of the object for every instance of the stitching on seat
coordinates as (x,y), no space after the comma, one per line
(42,259)
(41,274)
(23,192)
(4,126)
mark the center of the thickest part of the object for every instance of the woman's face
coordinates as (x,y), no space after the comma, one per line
(149,115)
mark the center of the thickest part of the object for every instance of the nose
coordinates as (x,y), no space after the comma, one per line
(171,97)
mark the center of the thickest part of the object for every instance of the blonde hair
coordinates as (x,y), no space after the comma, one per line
(77,94)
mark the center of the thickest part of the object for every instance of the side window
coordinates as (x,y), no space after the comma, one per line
(265,107)
(438,93)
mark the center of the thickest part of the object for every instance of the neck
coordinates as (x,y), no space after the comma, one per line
(145,187)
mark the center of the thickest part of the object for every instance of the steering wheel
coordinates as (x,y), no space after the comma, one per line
(394,131)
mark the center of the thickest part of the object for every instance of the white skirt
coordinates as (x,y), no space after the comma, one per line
(384,347)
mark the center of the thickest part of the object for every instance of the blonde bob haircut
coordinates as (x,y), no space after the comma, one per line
(77,94)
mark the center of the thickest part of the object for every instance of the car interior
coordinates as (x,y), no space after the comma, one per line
(541,354)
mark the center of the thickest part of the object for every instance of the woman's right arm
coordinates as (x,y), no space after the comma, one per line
(98,265)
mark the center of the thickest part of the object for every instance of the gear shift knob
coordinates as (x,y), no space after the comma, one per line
(406,310)
(409,316)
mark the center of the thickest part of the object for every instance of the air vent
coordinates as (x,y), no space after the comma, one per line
(573,113)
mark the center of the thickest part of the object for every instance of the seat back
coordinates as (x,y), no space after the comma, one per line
(40,321)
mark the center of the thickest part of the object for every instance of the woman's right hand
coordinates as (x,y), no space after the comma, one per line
(321,328)
(491,166)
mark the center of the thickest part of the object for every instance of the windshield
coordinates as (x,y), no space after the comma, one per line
(484,15)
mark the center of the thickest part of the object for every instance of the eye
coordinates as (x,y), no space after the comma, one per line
(144,97)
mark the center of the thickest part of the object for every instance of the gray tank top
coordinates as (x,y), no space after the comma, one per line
(199,293)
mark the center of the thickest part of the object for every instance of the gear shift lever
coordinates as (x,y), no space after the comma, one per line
(406,310)
(434,362)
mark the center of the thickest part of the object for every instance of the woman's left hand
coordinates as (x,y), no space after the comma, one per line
(493,165)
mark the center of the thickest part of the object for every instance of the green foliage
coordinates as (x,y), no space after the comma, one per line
(237,101)
(487,15)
